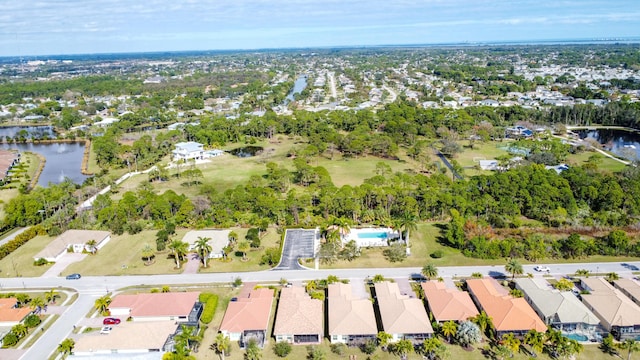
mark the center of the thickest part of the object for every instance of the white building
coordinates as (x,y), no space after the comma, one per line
(188,150)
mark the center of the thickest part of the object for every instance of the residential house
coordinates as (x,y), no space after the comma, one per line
(351,320)
(618,314)
(560,309)
(300,318)
(128,340)
(403,317)
(74,241)
(247,317)
(448,303)
(509,314)
(181,307)
(8,159)
(188,150)
(629,287)
(218,240)
(11,315)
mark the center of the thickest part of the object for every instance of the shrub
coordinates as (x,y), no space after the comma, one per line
(32,321)
(271,256)
(41,262)
(253,237)
(338,349)
(282,349)
(437,254)
(369,347)
(20,240)
(210,304)
(10,339)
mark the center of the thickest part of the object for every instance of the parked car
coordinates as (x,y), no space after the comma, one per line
(106,330)
(75,276)
(541,268)
(110,321)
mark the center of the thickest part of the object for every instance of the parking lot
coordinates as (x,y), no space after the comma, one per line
(298,243)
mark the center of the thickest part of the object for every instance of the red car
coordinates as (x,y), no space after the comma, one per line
(110,321)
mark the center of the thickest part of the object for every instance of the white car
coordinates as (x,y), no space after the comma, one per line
(541,268)
(106,330)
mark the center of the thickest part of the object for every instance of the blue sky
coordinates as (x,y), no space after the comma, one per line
(40,27)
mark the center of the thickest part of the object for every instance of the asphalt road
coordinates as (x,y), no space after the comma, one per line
(91,287)
(298,243)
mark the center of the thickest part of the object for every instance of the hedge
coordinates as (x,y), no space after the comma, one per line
(210,303)
(20,240)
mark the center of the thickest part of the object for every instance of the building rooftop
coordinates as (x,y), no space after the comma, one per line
(609,304)
(218,239)
(559,306)
(298,313)
(10,313)
(347,315)
(156,304)
(508,313)
(128,335)
(70,237)
(448,303)
(401,314)
(249,312)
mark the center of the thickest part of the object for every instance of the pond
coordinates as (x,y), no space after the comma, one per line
(623,143)
(28,132)
(246,151)
(298,86)
(64,160)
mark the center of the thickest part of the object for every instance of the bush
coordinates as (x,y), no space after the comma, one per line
(32,321)
(282,349)
(41,262)
(369,347)
(253,237)
(10,339)
(20,240)
(210,304)
(437,254)
(271,256)
(338,349)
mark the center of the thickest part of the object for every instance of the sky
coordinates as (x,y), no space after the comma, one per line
(54,27)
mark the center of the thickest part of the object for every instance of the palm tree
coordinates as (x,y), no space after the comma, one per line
(51,295)
(483,320)
(612,276)
(233,237)
(20,330)
(631,345)
(243,247)
(37,303)
(91,244)
(430,347)
(66,347)
(102,304)
(221,345)
(534,339)
(402,348)
(383,339)
(502,352)
(179,250)
(408,223)
(511,342)
(567,348)
(449,329)
(147,253)
(203,248)
(253,350)
(514,268)
(430,271)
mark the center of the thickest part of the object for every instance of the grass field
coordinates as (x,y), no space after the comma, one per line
(606,164)
(20,262)
(234,262)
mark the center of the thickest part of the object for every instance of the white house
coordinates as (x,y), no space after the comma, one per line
(75,241)
(188,150)
(218,239)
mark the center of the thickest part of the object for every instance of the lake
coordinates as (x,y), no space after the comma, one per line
(32,132)
(623,143)
(298,86)
(246,151)
(63,160)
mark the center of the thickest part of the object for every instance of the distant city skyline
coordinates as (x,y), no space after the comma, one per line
(31,27)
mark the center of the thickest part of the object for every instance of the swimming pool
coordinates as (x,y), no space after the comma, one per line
(373,235)
(577,337)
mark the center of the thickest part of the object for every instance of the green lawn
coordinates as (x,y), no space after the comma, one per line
(234,262)
(20,262)
(606,164)
(481,151)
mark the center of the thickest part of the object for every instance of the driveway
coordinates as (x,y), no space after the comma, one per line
(65,260)
(193,264)
(298,243)
(405,287)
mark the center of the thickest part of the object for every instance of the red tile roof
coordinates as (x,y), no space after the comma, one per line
(157,304)
(448,303)
(249,313)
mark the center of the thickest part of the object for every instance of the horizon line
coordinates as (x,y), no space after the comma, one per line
(566,41)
